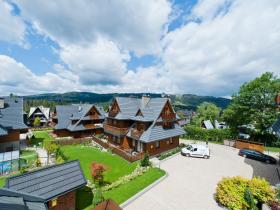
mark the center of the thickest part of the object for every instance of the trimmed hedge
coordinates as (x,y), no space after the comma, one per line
(197,133)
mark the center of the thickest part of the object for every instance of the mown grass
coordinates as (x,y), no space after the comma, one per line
(40,137)
(116,166)
(29,156)
(272,149)
(125,191)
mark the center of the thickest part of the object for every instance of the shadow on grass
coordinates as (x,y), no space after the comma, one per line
(84,198)
(36,141)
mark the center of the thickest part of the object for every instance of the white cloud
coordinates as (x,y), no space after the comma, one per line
(101,62)
(228,46)
(17,78)
(216,56)
(133,24)
(12,27)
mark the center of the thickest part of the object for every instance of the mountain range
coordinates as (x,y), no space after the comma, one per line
(183,101)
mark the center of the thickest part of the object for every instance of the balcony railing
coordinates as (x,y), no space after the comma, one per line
(171,116)
(136,133)
(115,130)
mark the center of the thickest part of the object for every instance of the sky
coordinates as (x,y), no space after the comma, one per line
(204,47)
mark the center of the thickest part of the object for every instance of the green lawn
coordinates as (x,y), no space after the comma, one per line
(125,191)
(272,149)
(2,181)
(116,166)
(40,136)
(30,156)
(121,193)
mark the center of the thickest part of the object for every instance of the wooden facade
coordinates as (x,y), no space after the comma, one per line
(10,142)
(242,144)
(63,202)
(90,124)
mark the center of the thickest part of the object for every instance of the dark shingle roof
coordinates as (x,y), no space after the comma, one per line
(67,113)
(49,182)
(130,106)
(10,199)
(11,116)
(155,133)
(151,111)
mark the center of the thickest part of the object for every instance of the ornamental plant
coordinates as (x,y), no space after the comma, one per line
(97,170)
(237,193)
(145,161)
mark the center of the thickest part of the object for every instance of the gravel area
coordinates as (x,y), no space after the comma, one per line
(192,182)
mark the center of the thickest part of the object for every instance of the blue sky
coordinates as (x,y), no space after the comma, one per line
(206,47)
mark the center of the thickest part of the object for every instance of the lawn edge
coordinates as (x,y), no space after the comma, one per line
(139,194)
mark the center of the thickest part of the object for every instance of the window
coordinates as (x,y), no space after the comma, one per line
(195,149)
(157,144)
(171,141)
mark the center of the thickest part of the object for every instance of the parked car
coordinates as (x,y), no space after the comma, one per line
(256,155)
(196,150)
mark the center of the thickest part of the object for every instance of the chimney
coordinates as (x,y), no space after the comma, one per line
(145,100)
(2,104)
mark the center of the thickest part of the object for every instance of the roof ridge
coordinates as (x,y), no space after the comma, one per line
(42,169)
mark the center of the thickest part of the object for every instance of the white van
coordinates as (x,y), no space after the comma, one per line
(196,150)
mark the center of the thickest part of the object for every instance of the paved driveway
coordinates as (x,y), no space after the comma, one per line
(192,181)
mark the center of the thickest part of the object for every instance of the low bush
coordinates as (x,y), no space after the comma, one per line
(239,193)
(168,154)
(198,133)
(145,161)
(262,190)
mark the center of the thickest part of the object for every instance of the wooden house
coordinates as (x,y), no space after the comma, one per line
(79,120)
(49,188)
(43,113)
(143,125)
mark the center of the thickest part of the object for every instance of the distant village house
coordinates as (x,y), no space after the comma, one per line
(78,120)
(43,113)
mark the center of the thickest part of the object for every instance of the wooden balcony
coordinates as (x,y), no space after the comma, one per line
(171,116)
(112,114)
(136,133)
(115,130)
(126,155)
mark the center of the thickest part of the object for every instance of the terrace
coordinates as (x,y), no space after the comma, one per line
(127,154)
(115,130)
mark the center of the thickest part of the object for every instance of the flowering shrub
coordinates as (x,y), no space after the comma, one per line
(97,170)
(231,192)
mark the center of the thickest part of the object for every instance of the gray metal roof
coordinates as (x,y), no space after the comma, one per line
(151,111)
(49,182)
(11,116)
(208,125)
(155,133)
(276,128)
(67,113)
(130,106)
(10,199)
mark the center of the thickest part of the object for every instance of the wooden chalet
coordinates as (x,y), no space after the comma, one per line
(50,188)
(11,125)
(78,121)
(143,125)
(42,112)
